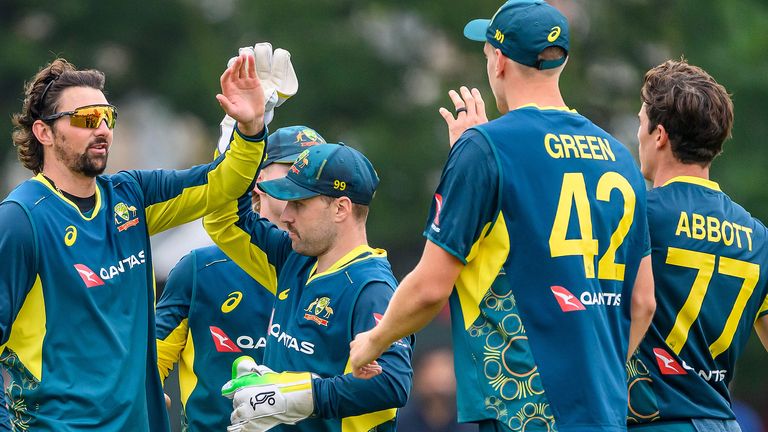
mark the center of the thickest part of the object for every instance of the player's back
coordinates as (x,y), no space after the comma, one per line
(708,256)
(569,236)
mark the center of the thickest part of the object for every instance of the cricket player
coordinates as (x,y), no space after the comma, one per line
(331,285)
(211,311)
(77,322)
(709,258)
(538,239)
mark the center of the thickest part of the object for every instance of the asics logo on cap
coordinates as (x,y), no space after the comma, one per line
(554,34)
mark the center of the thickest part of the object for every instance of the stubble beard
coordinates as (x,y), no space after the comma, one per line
(83,163)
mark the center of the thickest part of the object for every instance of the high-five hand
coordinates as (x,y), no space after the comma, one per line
(242,97)
(469,109)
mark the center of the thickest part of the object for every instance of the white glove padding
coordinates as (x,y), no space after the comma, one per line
(263,399)
(275,71)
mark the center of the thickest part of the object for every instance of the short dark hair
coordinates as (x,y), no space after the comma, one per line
(694,109)
(41,98)
(359,211)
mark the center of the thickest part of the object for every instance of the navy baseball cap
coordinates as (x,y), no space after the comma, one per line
(334,170)
(285,144)
(522,29)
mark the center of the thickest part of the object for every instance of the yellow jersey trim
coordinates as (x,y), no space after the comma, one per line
(484,262)
(347,260)
(547,108)
(96,208)
(28,331)
(694,180)
(187,377)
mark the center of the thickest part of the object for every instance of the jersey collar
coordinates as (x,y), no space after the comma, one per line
(709,184)
(547,108)
(93,212)
(357,254)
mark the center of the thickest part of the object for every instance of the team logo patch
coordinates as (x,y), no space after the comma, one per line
(320,306)
(88,276)
(667,364)
(222,341)
(301,162)
(125,216)
(308,137)
(567,301)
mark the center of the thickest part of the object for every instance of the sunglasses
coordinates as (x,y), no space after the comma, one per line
(89,116)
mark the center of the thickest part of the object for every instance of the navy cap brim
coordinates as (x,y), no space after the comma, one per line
(475,30)
(285,189)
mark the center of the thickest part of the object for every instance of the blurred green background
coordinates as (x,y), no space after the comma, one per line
(373,74)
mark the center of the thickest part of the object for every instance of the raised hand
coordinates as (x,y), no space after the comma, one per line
(469,109)
(242,97)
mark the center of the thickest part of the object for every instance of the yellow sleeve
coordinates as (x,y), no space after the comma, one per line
(176,197)
(169,349)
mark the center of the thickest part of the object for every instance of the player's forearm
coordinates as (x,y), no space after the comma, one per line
(415,304)
(232,178)
(643,305)
(346,396)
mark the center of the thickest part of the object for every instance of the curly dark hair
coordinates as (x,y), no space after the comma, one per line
(694,109)
(41,98)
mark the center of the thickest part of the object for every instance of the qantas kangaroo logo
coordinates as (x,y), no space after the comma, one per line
(567,301)
(222,341)
(88,276)
(667,364)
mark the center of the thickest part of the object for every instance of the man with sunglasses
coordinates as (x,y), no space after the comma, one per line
(77,294)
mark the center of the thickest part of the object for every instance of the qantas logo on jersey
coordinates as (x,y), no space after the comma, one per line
(438,207)
(377,317)
(287,340)
(122,266)
(222,341)
(667,364)
(89,276)
(569,303)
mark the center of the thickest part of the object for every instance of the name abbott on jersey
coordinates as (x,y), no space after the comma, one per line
(699,227)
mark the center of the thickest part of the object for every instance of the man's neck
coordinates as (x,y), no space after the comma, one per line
(74,184)
(541,93)
(667,173)
(345,243)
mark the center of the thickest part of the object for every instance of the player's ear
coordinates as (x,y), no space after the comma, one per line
(662,137)
(43,132)
(501,62)
(342,209)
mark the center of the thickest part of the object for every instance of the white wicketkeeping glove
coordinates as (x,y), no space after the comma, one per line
(263,399)
(278,80)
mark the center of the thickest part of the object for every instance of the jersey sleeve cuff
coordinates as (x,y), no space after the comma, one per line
(445,247)
(261,136)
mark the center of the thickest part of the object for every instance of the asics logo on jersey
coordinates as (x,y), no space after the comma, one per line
(89,276)
(233,299)
(567,301)
(283,294)
(667,364)
(70,235)
(222,341)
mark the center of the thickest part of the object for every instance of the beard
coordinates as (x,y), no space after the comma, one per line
(81,163)
(314,242)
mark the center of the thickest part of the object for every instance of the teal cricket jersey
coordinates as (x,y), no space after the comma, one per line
(77,323)
(547,212)
(210,313)
(316,316)
(708,257)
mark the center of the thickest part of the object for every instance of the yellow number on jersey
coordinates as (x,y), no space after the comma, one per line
(574,189)
(705,264)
